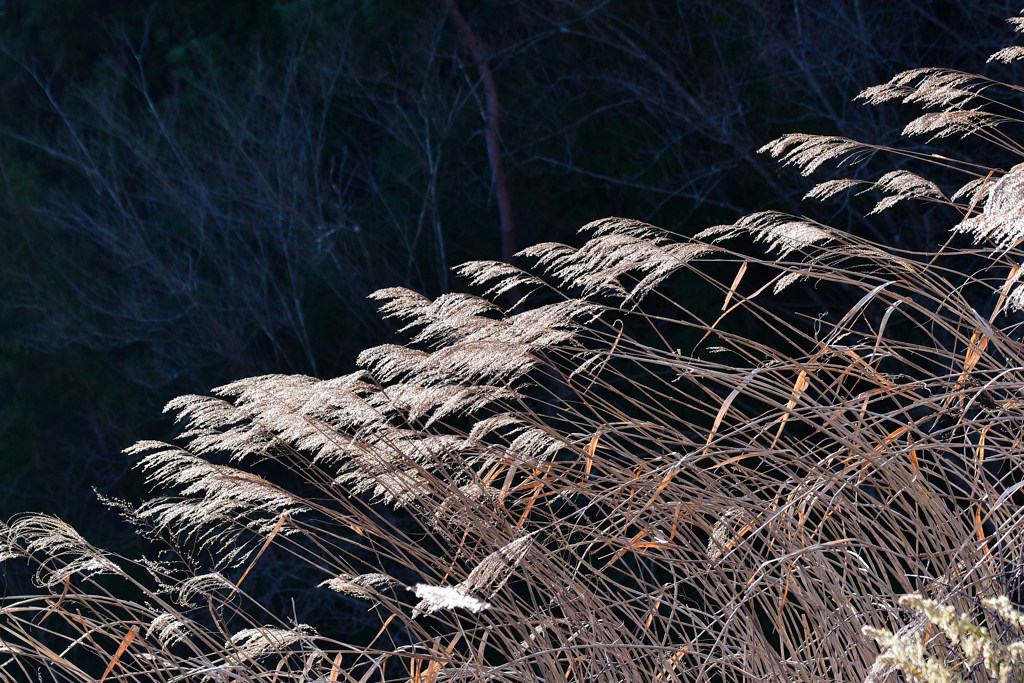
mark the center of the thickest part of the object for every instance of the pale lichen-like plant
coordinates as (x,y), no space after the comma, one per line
(968,648)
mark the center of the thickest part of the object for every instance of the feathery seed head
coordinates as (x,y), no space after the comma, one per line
(434,598)
(365,586)
(1002,219)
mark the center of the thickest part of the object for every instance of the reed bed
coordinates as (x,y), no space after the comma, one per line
(653,466)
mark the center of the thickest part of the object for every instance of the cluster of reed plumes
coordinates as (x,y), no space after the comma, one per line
(562,491)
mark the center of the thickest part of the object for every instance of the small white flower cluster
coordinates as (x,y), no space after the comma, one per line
(909,652)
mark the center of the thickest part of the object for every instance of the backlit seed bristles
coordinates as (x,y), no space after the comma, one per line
(1002,220)
(434,598)
(364,586)
(781,233)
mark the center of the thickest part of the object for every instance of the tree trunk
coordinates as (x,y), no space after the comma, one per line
(491,120)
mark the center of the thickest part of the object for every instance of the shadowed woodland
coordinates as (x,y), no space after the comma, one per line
(715,449)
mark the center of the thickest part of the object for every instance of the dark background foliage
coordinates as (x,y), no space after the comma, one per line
(194,192)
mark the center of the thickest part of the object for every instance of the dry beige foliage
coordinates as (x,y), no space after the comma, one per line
(606,482)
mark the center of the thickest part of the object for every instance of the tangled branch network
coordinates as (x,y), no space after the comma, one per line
(607,481)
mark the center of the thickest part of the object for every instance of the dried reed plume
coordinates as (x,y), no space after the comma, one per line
(607,482)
